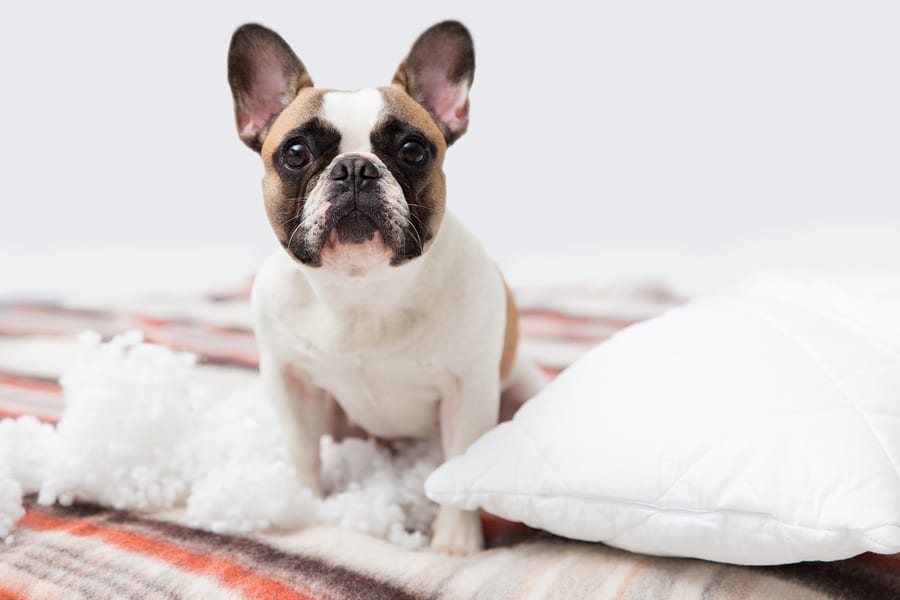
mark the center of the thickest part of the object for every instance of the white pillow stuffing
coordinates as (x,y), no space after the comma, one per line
(128,426)
(25,449)
(142,431)
(757,427)
(10,505)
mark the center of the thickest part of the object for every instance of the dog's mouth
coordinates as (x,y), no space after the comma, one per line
(355,227)
(355,223)
(364,225)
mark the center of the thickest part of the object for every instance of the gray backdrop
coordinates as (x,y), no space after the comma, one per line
(692,141)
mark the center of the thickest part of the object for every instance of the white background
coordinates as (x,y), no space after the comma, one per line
(689,141)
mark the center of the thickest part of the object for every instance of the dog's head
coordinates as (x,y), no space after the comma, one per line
(353,180)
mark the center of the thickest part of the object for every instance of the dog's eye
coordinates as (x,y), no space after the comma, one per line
(413,152)
(296,155)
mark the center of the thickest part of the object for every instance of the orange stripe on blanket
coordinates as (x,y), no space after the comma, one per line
(153,322)
(204,356)
(550,372)
(30,384)
(232,575)
(630,578)
(10,594)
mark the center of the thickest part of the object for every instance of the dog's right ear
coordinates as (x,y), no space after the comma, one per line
(265,75)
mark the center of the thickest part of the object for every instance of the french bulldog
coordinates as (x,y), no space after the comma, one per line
(380,311)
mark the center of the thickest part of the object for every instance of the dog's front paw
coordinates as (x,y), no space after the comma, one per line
(457,532)
(309,480)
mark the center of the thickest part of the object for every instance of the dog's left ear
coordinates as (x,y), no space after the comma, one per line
(265,75)
(438,73)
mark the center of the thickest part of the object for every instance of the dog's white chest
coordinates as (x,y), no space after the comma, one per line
(389,398)
(379,365)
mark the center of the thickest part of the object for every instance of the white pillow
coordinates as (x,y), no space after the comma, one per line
(759,427)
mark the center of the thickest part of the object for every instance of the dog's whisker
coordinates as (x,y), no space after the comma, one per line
(286,221)
(422,206)
(291,238)
(416,231)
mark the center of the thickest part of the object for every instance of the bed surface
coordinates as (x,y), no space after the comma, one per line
(92,552)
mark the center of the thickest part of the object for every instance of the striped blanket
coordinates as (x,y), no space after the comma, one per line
(92,552)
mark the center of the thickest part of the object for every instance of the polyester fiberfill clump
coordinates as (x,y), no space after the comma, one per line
(143,431)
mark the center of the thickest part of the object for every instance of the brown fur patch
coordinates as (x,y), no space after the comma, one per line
(401,105)
(305,106)
(511,337)
(279,207)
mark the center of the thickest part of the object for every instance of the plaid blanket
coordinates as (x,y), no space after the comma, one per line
(92,552)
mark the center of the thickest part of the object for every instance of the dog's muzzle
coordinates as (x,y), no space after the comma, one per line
(355,198)
(356,202)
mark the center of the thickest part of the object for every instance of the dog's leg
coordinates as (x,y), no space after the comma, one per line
(303,413)
(466,413)
(339,424)
(525,381)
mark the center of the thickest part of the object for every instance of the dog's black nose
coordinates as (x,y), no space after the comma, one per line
(357,168)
